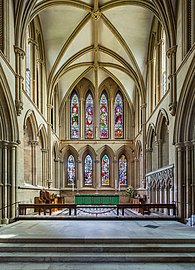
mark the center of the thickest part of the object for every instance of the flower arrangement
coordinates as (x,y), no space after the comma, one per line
(130,191)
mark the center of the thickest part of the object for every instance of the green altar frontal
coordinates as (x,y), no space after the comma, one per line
(96,199)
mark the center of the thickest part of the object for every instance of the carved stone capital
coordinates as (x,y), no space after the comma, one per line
(171,51)
(19,107)
(19,51)
(173,108)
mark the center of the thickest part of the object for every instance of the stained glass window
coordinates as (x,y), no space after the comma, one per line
(71,170)
(122,167)
(89,117)
(74,116)
(103,116)
(88,170)
(118,116)
(105,170)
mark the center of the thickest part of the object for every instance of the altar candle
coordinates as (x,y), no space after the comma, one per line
(72,187)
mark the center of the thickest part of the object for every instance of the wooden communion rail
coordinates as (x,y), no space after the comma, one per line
(49,208)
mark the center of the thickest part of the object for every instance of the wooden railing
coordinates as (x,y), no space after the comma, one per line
(46,208)
(141,208)
(146,208)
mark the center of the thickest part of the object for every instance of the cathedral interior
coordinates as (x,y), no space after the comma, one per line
(97,96)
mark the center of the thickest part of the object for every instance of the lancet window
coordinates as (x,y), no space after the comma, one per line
(88,170)
(103,116)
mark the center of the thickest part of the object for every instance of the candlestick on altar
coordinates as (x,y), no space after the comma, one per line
(72,187)
(119,186)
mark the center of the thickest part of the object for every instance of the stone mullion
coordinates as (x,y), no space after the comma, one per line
(82,118)
(80,175)
(97,174)
(111,119)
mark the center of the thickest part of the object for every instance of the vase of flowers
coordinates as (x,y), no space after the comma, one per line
(130,191)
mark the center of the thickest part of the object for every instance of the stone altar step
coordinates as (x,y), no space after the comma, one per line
(97,257)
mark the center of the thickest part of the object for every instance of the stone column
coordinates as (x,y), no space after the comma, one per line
(188,179)
(67,120)
(49,128)
(19,56)
(34,162)
(159,145)
(5,183)
(33,66)
(149,159)
(1,181)
(13,181)
(193,177)
(171,53)
(178,182)
(44,167)
(143,108)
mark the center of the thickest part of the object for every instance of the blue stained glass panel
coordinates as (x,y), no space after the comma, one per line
(123,170)
(71,170)
(74,117)
(88,170)
(118,116)
(103,117)
(105,174)
(89,117)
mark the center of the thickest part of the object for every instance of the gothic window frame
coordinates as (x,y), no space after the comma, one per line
(108,116)
(74,92)
(85,115)
(123,131)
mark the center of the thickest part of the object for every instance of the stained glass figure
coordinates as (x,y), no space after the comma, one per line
(122,170)
(88,170)
(74,117)
(71,170)
(118,116)
(103,117)
(89,117)
(105,170)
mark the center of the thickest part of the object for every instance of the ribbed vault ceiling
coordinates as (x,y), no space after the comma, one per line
(96,40)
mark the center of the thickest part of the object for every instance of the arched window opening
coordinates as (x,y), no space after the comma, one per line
(118,116)
(105,170)
(71,172)
(103,117)
(164,75)
(74,121)
(88,170)
(28,72)
(122,170)
(89,117)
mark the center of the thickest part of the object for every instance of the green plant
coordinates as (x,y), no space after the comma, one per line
(130,191)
